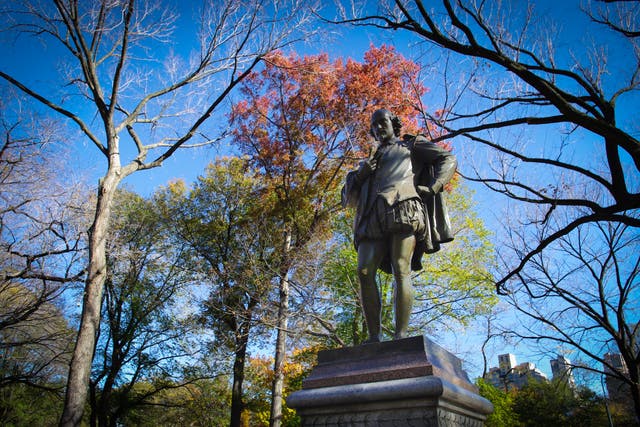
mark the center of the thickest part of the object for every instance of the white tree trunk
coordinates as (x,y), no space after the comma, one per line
(80,367)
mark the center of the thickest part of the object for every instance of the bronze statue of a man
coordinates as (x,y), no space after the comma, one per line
(400,214)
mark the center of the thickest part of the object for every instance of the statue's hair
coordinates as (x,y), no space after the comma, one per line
(395,121)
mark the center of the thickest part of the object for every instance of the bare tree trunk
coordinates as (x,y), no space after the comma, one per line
(635,389)
(80,367)
(238,374)
(281,340)
(93,414)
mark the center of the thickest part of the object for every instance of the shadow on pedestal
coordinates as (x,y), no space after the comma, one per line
(407,382)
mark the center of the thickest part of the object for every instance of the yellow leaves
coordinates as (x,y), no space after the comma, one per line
(295,367)
(177,186)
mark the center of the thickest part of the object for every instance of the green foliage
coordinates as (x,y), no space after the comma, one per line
(224,226)
(340,281)
(218,222)
(456,284)
(622,414)
(204,403)
(22,405)
(556,404)
(36,345)
(549,404)
(503,414)
(143,334)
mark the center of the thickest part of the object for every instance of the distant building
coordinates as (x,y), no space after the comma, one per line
(506,362)
(617,389)
(562,371)
(508,375)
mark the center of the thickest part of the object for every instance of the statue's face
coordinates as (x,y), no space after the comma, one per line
(382,126)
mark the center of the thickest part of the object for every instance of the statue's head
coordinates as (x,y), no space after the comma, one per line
(395,121)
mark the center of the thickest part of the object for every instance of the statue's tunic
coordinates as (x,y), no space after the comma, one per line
(393,177)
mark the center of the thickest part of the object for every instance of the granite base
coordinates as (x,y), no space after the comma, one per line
(408,382)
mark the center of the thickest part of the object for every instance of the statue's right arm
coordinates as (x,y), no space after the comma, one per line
(354,181)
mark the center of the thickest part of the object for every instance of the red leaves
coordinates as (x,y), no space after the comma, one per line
(304,121)
(298,109)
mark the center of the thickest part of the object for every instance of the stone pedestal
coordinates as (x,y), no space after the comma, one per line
(408,382)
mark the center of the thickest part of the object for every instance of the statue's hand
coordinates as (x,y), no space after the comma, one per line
(425,191)
(366,168)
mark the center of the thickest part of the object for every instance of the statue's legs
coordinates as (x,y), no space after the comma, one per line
(370,254)
(402,247)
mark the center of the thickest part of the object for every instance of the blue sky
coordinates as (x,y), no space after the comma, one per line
(36,64)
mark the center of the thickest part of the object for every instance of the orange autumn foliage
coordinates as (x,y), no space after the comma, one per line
(304,121)
(298,109)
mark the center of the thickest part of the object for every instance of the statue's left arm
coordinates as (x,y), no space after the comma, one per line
(351,190)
